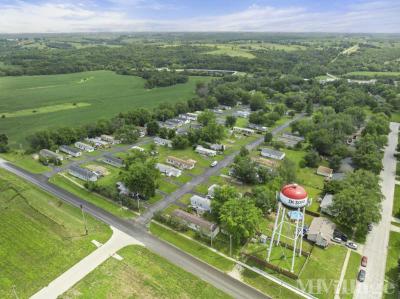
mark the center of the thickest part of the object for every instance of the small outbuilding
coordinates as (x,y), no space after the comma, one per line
(325,171)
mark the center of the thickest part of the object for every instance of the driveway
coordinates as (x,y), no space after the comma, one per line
(377,242)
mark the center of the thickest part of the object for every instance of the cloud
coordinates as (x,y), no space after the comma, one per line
(21,16)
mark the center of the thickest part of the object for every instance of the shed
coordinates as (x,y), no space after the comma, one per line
(325,171)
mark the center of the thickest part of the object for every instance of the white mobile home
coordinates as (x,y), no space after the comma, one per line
(244,131)
(168,170)
(82,173)
(197,223)
(48,154)
(113,161)
(180,163)
(83,146)
(162,141)
(273,154)
(200,204)
(205,151)
(70,151)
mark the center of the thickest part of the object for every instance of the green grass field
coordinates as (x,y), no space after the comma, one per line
(106,92)
(141,274)
(91,197)
(396,202)
(192,247)
(392,270)
(351,275)
(41,237)
(25,161)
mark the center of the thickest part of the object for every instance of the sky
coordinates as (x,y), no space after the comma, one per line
(352,16)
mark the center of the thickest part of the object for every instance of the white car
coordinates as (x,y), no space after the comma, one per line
(352,245)
(214,163)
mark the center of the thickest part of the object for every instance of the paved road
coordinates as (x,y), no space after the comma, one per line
(202,270)
(188,187)
(377,241)
(77,272)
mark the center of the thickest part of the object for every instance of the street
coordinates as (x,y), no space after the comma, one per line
(376,245)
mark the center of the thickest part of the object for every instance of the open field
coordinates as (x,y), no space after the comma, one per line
(41,237)
(141,274)
(106,92)
(392,270)
(44,110)
(395,117)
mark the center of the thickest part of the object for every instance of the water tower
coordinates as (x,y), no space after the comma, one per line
(292,199)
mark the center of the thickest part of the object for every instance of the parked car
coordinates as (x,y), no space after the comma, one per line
(339,234)
(337,240)
(213,164)
(364,261)
(352,245)
(361,275)
(370,227)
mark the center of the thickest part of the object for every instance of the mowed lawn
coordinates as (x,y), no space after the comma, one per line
(141,274)
(392,270)
(104,93)
(41,237)
(396,202)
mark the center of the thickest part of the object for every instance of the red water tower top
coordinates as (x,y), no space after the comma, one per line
(294,192)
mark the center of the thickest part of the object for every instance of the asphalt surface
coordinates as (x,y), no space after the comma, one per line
(188,187)
(377,242)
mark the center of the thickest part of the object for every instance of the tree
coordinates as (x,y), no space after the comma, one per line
(213,132)
(280,109)
(222,195)
(312,159)
(335,162)
(127,134)
(257,101)
(180,142)
(264,198)
(287,171)
(268,137)
(240,218)
(230,121)
(141,178)
(206,117)
(357,203)
(4,143)
(245,170)
(152,128)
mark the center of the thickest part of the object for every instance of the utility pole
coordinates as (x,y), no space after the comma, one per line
(84,220)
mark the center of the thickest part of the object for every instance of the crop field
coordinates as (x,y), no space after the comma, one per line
(141,274)
(73,99)
(41,237)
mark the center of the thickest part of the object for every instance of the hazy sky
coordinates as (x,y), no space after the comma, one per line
(203,15)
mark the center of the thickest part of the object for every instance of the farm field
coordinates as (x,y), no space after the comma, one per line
(41,237)
(139,275)
(98,94)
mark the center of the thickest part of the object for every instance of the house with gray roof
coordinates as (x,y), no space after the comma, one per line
(197,223)
(82,173)
(200,204)
(74,152)
(168,170)
(326,205)
(113,161)
(273,154)
(48,154)
(162,141)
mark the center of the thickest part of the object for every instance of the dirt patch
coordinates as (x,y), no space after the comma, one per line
(100,169)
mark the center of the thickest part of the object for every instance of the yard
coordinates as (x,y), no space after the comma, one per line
(351,275)
(392,270)
(141,274)
(41,237)
(396,202)
(25,161)
(192,247)
(98,200)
